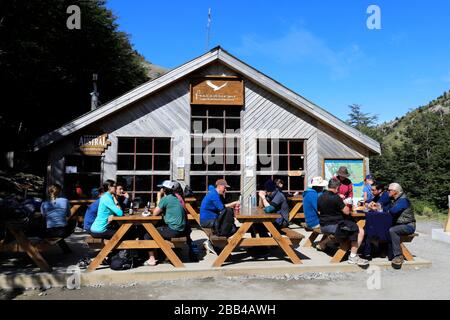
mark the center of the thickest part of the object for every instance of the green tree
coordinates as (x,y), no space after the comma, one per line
(46,69)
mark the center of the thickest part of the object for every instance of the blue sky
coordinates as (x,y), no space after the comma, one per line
(322,50)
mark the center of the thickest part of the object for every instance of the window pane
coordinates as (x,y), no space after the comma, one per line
(215,112)
(282,146)
(125,162)
(296,163)
(161,163)
(264,146)
(198,125)
(198,111)
(232,163)
(91,164)
(280,163)
(126,182)
(212,180)
(143,183)
(125,145)
(215,166)
(143,162)
(143,198)
(234,182)
(232,124)
(216,124)
(198,183)
(198,144)
(264,162)
(260,180)
(233,112)
(297,183)
(296,147)
(143,145)
(158,179)
(162,145)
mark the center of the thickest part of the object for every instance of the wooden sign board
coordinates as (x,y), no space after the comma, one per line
(217,90)
(93,145)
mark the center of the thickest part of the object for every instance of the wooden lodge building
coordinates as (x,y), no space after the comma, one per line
(148,134)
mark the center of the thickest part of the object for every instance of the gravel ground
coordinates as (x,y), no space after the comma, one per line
(419,283)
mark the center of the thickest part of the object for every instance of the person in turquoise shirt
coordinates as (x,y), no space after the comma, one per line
(174,218)
(107,208)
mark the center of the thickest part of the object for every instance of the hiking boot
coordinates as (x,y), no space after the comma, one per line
(358,261)
(397,262)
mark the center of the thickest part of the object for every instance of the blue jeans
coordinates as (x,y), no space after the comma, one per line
(395,234)
(329,229)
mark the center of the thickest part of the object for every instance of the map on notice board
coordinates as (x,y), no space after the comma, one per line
(354,166)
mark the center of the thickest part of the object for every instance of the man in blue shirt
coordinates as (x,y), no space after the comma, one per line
(404,222)
(380,196)
(212,204)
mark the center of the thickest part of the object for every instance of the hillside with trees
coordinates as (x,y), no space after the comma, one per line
(415,151)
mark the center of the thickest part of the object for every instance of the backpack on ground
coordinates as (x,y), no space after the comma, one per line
(123,260)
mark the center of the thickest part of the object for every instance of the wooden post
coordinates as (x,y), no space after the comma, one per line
(447,224)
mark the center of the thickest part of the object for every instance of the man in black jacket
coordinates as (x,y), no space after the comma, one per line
(333,211)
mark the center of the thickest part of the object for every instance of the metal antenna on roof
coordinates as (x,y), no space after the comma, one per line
(208,28)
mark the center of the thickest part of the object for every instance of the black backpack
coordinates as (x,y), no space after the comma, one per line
(224,224)
(123,260)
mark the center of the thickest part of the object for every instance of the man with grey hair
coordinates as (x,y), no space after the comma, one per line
(334,219)
(403,222)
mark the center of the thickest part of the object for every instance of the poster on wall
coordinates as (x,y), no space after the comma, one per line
(355,167)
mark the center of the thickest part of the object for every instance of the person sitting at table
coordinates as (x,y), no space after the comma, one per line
(404,221)
(107,208)
(310,197)
(367,189)
(274,201)
(122,197)
(174,217)
(380,196)
(55,211)
(332,211)
(214,203)
(345,186)
(91,211)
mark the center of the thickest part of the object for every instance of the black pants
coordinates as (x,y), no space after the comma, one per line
(108,234)
(58,232)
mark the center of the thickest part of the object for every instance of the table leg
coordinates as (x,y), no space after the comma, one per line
(193,213)
(282,242)
(234,241)
(163,245)
(109,246)
(294,210)
(32,252)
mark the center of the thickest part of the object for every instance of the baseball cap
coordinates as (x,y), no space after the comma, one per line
(222,182)
(369,176)
(166,184)
(270,186)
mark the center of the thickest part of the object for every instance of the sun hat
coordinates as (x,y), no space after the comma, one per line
(318,182)
(343,172)
(166,184)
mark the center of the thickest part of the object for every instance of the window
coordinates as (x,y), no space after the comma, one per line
(200,183)
(143,154)
(276,158)
(83,172)
(215,148)
(142,164)
(223,119)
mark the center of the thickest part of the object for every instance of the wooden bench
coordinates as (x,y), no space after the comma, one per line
(99,243)
(217,241)
(41,245)
(294,236)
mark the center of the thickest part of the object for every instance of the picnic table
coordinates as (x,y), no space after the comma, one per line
(192,214)
(296,211)
(26,246)
(117,241)
(76,205)
(275,238)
